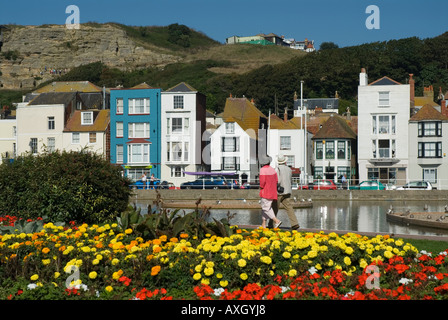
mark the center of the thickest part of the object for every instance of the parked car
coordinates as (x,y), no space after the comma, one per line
(369,185)
(207,182)
(320,185)
(417,185)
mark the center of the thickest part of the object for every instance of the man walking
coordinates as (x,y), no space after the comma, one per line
(284,197)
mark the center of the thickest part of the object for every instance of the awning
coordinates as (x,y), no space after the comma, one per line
(203,173)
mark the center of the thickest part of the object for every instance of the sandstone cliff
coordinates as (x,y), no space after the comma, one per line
(33,54)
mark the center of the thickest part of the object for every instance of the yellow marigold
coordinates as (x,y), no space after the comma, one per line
(242,263)
(46,261)
(243,276)
(34,277)
(92,275)
(197,276)
(347,261)
(286,255)
(109,289)
(116,275)
(208,271)
(128,231)
(223,283)
(115,261)
(56,275)
(155,270)
(292,272)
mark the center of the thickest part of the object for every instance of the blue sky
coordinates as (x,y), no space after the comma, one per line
(339,21)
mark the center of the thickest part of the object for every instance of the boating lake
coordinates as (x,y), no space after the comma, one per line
(354,216)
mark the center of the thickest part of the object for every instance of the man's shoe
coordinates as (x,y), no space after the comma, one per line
(295,227)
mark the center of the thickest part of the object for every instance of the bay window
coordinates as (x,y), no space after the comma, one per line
(138,153)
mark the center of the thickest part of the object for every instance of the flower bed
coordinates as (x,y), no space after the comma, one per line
(106,262)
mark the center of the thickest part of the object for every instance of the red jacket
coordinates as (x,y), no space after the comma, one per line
(268,183)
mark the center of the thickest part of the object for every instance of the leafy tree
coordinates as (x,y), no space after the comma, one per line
(328,46)
(179,34)
(63,186)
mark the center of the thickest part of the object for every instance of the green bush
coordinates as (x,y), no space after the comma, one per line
(63,186)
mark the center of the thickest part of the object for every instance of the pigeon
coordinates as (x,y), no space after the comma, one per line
(244,200)
(425,207)
(429,216)
(295,199)
(218,202)
(406,213)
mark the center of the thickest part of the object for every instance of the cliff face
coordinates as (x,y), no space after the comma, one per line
(33,54)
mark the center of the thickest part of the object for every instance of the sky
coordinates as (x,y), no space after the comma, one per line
(340,21)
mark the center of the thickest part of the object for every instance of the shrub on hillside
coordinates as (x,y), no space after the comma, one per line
(63,186)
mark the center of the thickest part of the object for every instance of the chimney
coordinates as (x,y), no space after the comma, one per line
(412,89)
(363,78)
(443,107)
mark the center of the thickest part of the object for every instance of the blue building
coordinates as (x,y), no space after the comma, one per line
(135,130)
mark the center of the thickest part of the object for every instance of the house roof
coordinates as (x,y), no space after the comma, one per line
(335,127)
(143,85)
(245,113)
(53,98)
(100,122)
(280,124)
(182,87)
(428,112)
(69,86)
(384,81)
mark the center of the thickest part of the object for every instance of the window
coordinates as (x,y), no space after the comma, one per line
(430,149)
(138,153)
(384,148)
(177,151)
(51,144)
(430,129)
(285,143)
(176,126)
(135,174)
(119,105)
(177,172)
(318,172)
(119,153)
(178,102)
(230,127)
(290,161)
(138,106)
(33,145)
(341,171)
(383,126)
(341,149)
(138,130)
(430,174)
(50,123)
(92,137)
(329,150)
(87,118)
(186,150)
(75,138)
(374,125)
(230,144)
(383,99)
(230,163)
(119,130)
(319,150)
(373,173)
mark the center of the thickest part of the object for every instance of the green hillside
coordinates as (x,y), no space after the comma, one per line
(266,73)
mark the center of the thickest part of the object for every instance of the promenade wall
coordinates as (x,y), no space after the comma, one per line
(343,195)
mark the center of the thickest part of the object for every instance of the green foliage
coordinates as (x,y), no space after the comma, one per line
(11,55)
(63,186)
(162,221)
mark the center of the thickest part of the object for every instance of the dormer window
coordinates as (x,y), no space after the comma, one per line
(87,118)
(178,102)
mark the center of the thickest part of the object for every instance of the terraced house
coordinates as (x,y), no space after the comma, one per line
(135,130)
(237,142)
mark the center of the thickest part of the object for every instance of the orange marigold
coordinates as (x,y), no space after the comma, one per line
(155,270)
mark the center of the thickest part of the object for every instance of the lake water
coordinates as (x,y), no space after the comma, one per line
(362,216)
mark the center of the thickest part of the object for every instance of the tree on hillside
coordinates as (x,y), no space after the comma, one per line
(179,34)
(328,46)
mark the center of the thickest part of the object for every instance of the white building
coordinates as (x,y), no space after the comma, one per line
(183,125)
(87,130)
(286,138)
(428,129)
(236,144)
(383,117)
(8,143)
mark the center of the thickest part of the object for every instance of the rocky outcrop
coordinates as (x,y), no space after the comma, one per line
(33,54)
